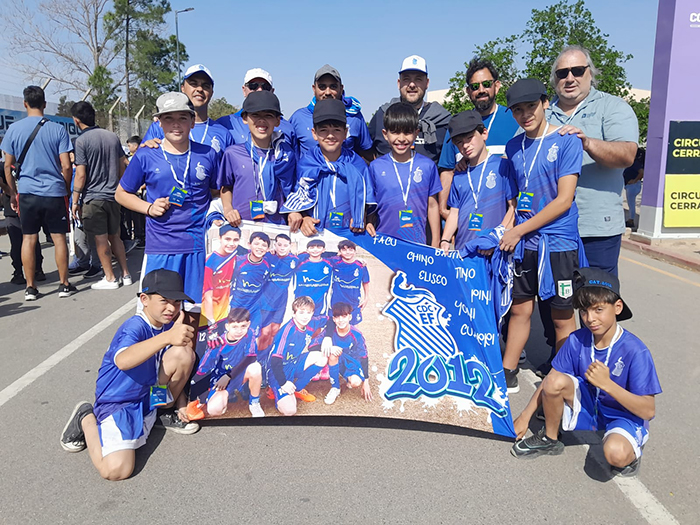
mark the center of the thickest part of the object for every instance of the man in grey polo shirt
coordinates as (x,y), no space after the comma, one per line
(609,131)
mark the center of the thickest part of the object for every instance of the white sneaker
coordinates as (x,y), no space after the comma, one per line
(256,410)
(104,284)
(126,280)
(332,395)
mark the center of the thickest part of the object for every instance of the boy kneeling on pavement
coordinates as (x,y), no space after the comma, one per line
(140,382)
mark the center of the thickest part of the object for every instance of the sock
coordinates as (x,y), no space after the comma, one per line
(306,376)
(254,399)
(334,371)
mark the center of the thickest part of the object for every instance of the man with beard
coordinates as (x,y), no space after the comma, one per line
(328,85)
(413,83)
(482,87)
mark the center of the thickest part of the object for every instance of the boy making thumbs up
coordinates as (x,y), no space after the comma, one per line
(140,381)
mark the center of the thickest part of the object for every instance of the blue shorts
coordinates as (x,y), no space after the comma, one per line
(235,383)
(582,416)
(350,366)
(292,369)
(356,316)
(127,428)
(272,316)
(189,265)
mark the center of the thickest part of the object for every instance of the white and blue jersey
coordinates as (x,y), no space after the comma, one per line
(353,360)
(493,185)
(537,176)
(247,285)
(181,229)
(401,190)
(230,356)
(209,133)
(348,279)
(313,279)
(275,290)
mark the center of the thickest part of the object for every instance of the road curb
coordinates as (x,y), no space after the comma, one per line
(657,252)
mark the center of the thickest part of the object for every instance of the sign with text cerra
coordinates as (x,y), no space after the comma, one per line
(682,187)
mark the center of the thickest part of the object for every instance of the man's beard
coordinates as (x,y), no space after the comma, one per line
(484,104)
(418,100)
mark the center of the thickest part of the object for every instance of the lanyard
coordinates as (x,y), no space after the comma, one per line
(187,167)
(475,194)
(206,130)
(488,130)
(615,339)
(404,195)
(259,181)
(532,165)
(335,180)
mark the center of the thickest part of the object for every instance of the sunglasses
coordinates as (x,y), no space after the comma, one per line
(577,71)
(254,86)
(486,83)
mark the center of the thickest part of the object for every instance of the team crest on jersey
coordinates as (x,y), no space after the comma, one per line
(421,322)
(293,264)
(565,289)
(491,180)
(619,365)
(553,153)
(216,144)
(357,272)
(325,270)
(418,175)
(200,172)
(383,173)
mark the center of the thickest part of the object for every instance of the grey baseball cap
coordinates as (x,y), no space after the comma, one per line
(172,102)
(327,70)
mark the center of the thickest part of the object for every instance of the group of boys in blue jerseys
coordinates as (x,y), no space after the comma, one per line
(310,173)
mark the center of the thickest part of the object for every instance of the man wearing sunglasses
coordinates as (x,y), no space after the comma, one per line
(255,79)
(609,130)
(413,83)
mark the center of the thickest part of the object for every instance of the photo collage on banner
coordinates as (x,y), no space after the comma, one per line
(346,324)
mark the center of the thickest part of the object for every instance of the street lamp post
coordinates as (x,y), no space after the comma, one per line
(177,43)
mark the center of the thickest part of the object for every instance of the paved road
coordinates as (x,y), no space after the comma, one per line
(320,470)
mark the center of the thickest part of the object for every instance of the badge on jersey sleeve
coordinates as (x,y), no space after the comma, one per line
(177,196)
(160,396)
(406,218)
(256,210)
(525,201)
(336,219)
(476,220)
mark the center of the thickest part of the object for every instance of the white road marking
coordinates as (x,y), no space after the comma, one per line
(651,509)
(35,373)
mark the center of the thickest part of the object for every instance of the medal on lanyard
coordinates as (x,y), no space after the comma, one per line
(257,210)
(476,221)
(160,396)
(206,129)
(405,215)
(615,339)
(525,199)
(178,194)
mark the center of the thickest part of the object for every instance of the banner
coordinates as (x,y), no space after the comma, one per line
(682,184)
(9,117)
(401,329)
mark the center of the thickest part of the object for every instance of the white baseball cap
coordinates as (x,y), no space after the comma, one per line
(256,72)
(414,63)
(198,68)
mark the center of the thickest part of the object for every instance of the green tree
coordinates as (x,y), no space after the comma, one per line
(102,93)
(641,109)
(64,106)
(219,107)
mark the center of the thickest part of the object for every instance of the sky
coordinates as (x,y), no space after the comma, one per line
(366,41)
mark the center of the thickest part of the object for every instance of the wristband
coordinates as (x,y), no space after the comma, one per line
(148,211)
(444,240)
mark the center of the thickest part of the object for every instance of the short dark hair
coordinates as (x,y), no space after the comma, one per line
(340,309)
(34,97)
(588,296)
(477,64)
(401,117)
(283,236)
(345,243)
(84,112)
(134,139)
(238,315)
(259,235)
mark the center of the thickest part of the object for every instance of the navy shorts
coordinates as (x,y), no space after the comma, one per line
(526,285)
(350,366)
(36,212)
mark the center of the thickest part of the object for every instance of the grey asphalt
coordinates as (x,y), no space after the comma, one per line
(321,470)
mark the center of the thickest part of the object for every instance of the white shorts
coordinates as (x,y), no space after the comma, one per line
(112,437)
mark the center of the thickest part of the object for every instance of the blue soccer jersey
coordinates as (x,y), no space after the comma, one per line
(240,132)
(232,354)
(247,283)
(492,184)
(290,342)
(117,388)
(181,228)
(313,278)
(275,290)
(348,280)
(538,165)
(209,133)
(402,190)
(353,343)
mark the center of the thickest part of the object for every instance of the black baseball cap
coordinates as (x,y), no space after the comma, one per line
(166,283)
(525,90)
(261,101)
(595,277)
(329,109)
(464,122)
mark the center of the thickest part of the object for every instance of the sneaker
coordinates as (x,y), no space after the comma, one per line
(66,290)
(195,410)
(543,370)
(93,272)
(332,395)
(256,410)
(537,445)
(73,437)
(76,270)
(129,245)
(127,281)
(629,471)
(104,284)
(18,279)
(523,358)
(305,396)
(270,393)
(171,421)
(39,275)
(512,380)
(31,293)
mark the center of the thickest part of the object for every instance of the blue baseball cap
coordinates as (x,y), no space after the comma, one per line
(198,68)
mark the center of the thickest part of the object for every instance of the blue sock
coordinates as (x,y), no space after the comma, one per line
(253,399)
(334,371)
(306,376)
